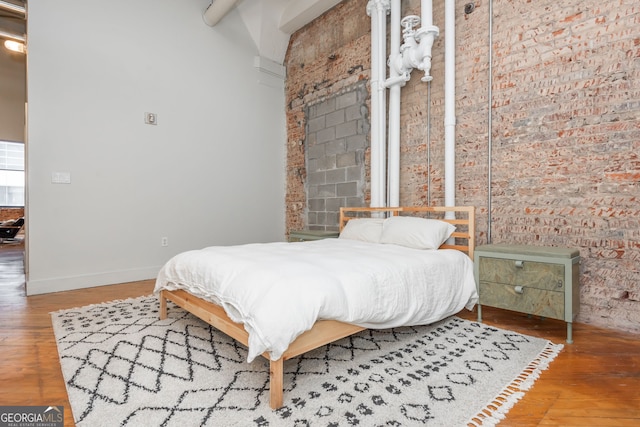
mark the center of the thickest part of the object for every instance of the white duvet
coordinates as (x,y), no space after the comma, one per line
(278,290)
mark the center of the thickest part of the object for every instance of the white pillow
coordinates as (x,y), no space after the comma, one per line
(418,233)
(364,229)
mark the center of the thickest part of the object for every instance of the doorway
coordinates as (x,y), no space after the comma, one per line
(13,98)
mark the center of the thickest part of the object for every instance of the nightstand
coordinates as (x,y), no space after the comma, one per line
(306,235)
(537,280)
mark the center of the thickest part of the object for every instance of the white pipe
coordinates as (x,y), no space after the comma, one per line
(400,79)
(414,52)
(377,9)
(426,36)
(449,105)
(217,10)
(426,13)
(394,107)
(490,122)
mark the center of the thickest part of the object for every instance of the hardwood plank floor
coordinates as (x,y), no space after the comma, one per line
(593,382)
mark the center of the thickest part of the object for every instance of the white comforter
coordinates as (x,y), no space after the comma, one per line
(278,290)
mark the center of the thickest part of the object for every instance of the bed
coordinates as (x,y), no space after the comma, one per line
(283,299)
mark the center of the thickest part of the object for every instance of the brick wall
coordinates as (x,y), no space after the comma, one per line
(565,132)
(11,213)
(336,139)
(321,63)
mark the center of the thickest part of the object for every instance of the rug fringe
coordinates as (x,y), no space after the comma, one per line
(496,410)
(116,301)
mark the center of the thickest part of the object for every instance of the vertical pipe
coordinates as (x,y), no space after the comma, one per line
(372,10)
(489,121)
(449,105)
(394,108)
(377,9)
(428,143)
(426,13)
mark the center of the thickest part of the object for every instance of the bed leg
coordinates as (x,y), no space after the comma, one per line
(276,382)
(163,306)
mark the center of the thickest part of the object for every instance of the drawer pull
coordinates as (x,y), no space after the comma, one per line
(519,289)
(519,263)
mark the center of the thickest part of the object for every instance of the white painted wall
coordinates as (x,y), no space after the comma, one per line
(212,172)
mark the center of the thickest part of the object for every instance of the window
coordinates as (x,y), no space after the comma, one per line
(11,173)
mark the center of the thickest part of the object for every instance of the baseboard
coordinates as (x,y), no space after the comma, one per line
(70,283)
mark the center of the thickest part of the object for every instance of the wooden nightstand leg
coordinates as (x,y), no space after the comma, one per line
(569,333)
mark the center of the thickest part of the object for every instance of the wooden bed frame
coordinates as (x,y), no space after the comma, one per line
(323,331)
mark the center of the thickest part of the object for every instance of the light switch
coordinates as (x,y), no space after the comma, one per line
(60,177)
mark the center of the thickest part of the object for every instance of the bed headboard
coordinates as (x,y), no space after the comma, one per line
(464,220)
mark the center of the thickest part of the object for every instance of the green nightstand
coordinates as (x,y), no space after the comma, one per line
(306,235)
(537,280)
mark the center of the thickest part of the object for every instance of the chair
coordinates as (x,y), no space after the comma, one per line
(10,230)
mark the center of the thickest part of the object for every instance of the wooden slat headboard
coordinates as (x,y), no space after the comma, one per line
(464,221)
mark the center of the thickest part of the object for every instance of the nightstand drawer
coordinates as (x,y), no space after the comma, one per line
(307,235)
(530,300)
(517,272)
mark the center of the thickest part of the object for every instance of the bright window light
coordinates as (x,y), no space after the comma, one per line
(11,173)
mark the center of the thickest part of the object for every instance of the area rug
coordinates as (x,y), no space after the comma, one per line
(125,367)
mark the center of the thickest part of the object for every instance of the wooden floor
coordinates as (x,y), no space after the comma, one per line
(593,382)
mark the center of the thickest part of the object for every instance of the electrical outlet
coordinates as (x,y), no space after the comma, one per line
(61,177)
(151,118)
(164,241)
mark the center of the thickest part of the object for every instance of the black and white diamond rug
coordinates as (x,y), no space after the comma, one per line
(125,367)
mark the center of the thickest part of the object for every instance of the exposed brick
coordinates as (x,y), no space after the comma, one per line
(565,134)
(11,213)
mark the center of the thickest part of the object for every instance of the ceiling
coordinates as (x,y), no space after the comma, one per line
(270,22)
(12,23)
